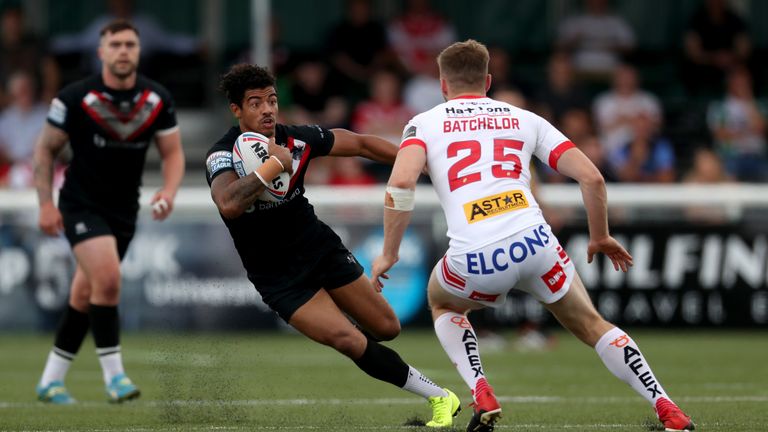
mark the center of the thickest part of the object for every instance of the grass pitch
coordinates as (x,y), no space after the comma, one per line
(271,381)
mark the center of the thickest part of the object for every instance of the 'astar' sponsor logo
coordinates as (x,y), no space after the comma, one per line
(495,205)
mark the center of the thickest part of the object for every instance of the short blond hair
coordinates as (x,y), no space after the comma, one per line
(464,65)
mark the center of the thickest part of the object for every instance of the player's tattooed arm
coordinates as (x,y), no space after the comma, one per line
(234,195)
(49,144)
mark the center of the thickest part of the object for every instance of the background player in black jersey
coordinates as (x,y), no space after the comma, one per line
(109,120)
(296,262)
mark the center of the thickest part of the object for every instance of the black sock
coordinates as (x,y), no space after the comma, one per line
(105,326)
(71,332)
(383,364)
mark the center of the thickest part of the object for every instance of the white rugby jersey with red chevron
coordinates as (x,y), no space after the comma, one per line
(479,153)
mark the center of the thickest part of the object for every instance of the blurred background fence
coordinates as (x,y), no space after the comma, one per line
(701,259)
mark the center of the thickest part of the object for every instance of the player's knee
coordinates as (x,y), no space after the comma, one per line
(80,299)
(106,287)
(388,330)
(349,343)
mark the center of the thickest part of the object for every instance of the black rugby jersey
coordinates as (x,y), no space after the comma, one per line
(279,241)
(109,132)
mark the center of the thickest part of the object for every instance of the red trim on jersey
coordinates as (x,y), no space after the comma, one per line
(470,97)
(123,118)
(451,278)
(477,295)
(302,162)
(558,151)
(413,141)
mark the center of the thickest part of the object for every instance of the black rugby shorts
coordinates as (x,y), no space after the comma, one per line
(82,222)
(335,269)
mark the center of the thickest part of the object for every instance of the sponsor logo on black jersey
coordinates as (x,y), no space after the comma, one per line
(218,161)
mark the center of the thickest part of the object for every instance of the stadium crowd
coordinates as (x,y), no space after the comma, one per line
(371,75)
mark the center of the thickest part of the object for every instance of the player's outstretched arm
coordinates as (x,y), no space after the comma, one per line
(577,166)
(348,143)
(49,144)
(169,147)
(398,204)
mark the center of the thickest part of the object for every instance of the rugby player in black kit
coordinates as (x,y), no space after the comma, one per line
(109,120)
(295,261)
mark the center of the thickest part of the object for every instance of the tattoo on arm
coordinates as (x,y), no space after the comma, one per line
(50,143)
(234,195)
(245,193)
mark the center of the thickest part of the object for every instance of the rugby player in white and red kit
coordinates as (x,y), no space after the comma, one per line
(477,151)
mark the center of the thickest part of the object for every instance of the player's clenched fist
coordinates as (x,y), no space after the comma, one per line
(50,219)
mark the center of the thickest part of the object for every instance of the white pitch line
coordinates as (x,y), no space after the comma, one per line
(392,401)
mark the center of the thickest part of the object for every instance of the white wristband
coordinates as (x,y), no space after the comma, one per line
(261,178)
(400,199)
(278,162)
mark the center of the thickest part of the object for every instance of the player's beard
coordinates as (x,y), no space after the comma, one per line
(122,70)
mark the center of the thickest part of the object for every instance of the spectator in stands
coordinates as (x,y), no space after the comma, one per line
(738,124)
(707,168)
(422,91)
(510,95)
(357,46)
(500,68)
(561,93)
(616,109)
(154,38)
(418,36)
(20,125)
(715,42)
(648,157)
(22,51)
(314,99)
(577,125)
(383,114)
(349,171)
(597,38)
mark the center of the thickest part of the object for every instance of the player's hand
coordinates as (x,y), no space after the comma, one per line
(51,222)
(282,154)
(381,266)
(619,256)
(162,205)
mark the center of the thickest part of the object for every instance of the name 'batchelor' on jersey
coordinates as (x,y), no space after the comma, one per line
(479,153)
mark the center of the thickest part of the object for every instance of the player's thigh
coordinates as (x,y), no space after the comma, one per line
(99,260)
(367,307)
(576,312)
(442,301)
(321,320)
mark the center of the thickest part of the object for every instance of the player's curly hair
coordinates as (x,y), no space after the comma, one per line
(243,77)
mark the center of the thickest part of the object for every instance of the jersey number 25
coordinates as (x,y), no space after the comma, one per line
(499,155)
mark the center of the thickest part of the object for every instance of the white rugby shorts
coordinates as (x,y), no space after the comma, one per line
(531,260)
